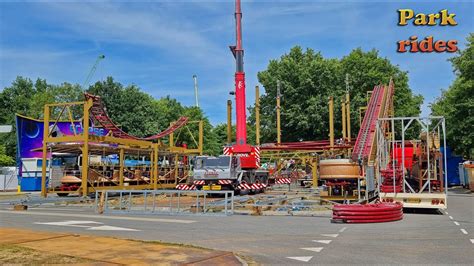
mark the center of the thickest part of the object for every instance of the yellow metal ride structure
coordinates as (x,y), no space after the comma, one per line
(116,160)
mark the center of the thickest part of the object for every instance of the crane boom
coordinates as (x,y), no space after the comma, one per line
(92,71)
(240,109)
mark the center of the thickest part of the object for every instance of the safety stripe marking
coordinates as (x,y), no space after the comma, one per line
(464,231)
(342,229)
(323,241)
(451,217)
(472,241)
(305,259)
(330,235)
(456,223)
(317,249)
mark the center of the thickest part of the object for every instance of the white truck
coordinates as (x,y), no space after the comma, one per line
(225,172)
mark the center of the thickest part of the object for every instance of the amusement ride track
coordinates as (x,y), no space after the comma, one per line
(99,113)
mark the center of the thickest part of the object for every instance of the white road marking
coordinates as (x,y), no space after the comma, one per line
(464,231)
(451,217)
(305,259)
(330,235)
(110,228)
(313,249)
(472,241)
(447,212)
(322,241)
(101,217)
(342,229)
(71,223)
(58,209)
(456,223)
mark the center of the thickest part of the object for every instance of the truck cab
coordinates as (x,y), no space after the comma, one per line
(222,167)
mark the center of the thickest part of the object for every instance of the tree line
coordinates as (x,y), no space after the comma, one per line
(307,80)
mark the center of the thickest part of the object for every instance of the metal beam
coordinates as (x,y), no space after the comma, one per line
(44,191)
(331,121)
(348,116)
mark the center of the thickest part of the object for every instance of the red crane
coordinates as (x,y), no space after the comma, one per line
(241,145)
(239,166)
(249,155)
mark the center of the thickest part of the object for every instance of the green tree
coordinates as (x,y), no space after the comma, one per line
(457,103)
(139,114)
(27,98)
(5,160)
(308,80)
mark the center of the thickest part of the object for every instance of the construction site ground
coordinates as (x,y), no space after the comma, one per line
(20,246)
(429,237)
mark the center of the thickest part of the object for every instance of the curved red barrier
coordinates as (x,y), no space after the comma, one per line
(368,213)
(100,115)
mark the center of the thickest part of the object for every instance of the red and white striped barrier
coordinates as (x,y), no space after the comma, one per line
(283,181)
(256,149)
(228,150)
(199,182)
(185,187)
(224,182)
(251,186)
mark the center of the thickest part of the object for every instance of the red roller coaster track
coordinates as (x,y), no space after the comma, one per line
(366,134)
(99,114)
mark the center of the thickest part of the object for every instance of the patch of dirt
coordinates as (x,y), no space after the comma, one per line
(11,254)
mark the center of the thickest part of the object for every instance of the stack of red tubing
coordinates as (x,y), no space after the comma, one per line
(367,213)
(388,184)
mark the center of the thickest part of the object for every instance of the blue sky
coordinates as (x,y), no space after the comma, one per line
(159,45)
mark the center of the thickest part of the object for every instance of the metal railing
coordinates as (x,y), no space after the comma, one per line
(168,202)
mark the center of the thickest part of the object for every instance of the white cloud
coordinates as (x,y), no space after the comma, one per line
(107,22)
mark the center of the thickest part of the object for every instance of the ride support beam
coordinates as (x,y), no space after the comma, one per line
(343,109)
(176,169)
(44,190)
(122,164)
(314,172)
(348,116)
(331,122)
(155,166)
(201,137)
(85,148)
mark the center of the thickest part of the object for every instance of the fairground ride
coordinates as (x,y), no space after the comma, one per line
(84,162)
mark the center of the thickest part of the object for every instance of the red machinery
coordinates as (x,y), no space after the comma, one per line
(249,154)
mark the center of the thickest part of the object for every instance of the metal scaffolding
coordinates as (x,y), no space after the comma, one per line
(157,165)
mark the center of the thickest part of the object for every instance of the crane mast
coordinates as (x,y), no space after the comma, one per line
(241,145)
(91,72)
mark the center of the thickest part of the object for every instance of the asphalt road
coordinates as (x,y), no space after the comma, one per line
(420,238)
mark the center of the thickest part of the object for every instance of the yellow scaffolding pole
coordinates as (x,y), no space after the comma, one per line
(348,116)
(85,149)
(44,191)
(314,172)
(343,109)
(331,122)
(121,162)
